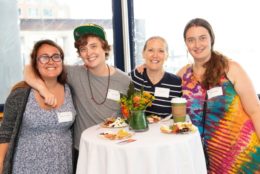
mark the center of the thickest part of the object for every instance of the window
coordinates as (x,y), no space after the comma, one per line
(233,21)
(46,19)
(47,13)
(33,12)
(58,23)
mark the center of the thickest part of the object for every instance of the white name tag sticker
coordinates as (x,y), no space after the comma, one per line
(64,117)
(162,92)
(113,95)
(214,92)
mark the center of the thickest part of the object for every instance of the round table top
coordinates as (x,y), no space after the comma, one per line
(152,151)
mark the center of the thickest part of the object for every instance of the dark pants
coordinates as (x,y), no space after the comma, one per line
(75,156)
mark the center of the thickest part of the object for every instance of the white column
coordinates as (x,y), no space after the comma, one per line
(126,35)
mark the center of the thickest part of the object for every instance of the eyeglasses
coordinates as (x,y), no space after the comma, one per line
(46,59)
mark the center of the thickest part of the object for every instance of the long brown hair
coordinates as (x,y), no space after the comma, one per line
(21,84)
(217,65)
(61,78)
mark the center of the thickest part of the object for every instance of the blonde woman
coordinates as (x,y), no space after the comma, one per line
(154,79)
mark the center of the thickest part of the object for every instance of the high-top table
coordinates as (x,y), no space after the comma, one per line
(153,152)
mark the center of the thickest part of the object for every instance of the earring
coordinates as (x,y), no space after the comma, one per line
(187,54)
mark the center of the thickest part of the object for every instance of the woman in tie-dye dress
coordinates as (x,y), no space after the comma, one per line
(231,128)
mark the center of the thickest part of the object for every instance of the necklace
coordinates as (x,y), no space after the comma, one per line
(92,96)
(197,76)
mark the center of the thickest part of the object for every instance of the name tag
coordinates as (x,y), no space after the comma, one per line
(214,92)
(113,95)
(162,92)
(64,117)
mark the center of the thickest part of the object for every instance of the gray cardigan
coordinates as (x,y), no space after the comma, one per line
(13,116)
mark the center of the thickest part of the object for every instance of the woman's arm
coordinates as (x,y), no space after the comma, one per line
(9,124)
(37,83)
(182,70)
(246,92)
(3,150)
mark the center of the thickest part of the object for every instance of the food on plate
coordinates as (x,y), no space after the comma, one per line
(122,133)
(165,129)
(114,122)
(178,128)
(153,118)
(108,135)
(119,135)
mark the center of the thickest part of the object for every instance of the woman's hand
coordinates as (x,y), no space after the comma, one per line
(49,98)
(140,68)
(38,84)
(1,167)
(3,151)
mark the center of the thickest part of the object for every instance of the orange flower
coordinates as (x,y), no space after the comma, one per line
(124,111)
(135,100)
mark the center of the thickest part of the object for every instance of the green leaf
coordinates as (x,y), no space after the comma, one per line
(131,90)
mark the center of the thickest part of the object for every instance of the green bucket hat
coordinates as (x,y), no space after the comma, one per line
(89,29)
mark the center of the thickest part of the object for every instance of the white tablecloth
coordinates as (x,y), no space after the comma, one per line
(152,153)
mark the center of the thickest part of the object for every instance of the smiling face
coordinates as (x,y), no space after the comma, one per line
(198,42)
(51,69)
(155,53)
(93,53)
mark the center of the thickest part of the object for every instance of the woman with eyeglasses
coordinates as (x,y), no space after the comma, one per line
(34,137)
(96,85)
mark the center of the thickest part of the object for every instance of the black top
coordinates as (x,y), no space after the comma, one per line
(161,106)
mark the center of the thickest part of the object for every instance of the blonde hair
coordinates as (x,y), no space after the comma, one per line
(159,38)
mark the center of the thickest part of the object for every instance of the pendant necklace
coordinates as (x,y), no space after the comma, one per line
(92,96)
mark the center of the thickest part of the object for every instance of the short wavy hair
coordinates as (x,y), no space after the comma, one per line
(83,40)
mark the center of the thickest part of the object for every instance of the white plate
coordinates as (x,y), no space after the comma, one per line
(168,129)
(115,135)
(153,119)
(121,123)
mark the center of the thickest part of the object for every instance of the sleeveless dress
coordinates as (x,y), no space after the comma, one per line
(230,138)
(45,139)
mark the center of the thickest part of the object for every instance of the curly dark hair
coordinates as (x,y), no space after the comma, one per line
(83,40)
(217,66)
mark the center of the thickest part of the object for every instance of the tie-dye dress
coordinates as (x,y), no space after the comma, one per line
(230,138)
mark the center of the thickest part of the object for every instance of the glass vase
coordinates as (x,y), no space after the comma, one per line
(137,121)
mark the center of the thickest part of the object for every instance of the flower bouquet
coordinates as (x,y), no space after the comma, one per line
(133,106)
